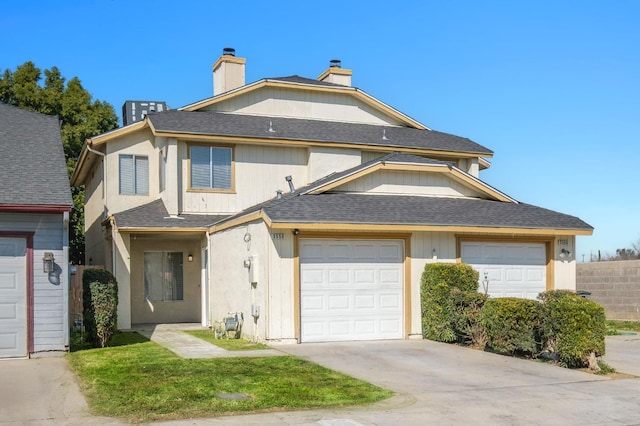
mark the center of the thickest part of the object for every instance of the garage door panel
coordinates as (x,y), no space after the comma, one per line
(365,327)
(390,252)
(520,272)
(338,303)
(338,276)
(8,312)
(9,341)
(390,276)
(364,276)
(362,300)
(336,252)
(390,301)
(13,297)
(8,281)
(315,303)
(312,276)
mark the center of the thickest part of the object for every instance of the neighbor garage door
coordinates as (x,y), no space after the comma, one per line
(351,290)
(513,269)
(13,298)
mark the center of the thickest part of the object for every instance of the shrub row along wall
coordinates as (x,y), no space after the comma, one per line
(614,285)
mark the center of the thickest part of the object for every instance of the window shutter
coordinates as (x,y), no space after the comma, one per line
(200,167)
(126,175)
(142,175)
(221,163)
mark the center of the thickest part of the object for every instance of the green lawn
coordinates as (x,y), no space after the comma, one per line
(140,381)
(228,344)
(616,327)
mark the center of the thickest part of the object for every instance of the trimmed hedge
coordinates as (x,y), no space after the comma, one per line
(100,302)
(512,325)
(574,327)
(466,312)
(438,279)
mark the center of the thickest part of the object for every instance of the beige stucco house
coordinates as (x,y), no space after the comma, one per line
(309,206)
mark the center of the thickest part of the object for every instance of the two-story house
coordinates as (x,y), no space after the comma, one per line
(309,206)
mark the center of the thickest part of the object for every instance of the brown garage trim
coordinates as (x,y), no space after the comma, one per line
(547,241)
(406,238)
(28,236)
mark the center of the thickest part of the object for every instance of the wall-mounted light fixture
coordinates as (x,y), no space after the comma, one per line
(48,262)
(564,253)
(190,257)
(296,232)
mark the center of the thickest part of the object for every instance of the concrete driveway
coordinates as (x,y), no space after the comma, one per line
(434,383)
(43,392)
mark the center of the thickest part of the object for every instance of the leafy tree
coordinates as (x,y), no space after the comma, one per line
(80,118)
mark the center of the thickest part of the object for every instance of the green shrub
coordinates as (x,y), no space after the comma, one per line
(466,312)
(100,300)
(574,327)
(512,325)
(438,279)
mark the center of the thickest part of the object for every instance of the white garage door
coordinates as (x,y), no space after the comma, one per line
(13,297)
(351,290)
(513,269)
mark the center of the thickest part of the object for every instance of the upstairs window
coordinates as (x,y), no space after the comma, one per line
(134,175)
(211,167)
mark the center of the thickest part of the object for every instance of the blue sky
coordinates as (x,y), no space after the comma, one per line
(552,87)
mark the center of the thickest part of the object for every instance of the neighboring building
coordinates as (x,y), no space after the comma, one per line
(35,201)
(308,203)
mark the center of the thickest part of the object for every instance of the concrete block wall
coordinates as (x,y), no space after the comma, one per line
(614,285)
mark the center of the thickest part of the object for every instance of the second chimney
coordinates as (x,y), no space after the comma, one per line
(336,74)
(228,71)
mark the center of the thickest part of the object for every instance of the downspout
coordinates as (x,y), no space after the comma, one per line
(204,280)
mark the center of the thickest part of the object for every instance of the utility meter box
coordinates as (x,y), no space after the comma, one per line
(254,268)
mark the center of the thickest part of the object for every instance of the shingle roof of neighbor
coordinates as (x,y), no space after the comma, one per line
(155,215)
(225,124)
(33,169)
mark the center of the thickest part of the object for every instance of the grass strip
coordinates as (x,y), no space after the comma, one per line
(141,381)
(228,344)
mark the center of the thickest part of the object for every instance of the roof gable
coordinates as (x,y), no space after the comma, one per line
(311,88)
(32,165)
(452,182)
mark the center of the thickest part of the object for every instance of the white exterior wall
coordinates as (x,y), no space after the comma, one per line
(306,104)
(427,247)
(94,214)
(121,270)
(565,269)
(50,303)
(231,290)
(259,172)
(408,183)
(138,143)
(324,161)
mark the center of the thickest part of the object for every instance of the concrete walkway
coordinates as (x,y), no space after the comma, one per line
(173,337)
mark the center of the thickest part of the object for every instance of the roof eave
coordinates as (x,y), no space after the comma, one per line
(394,227)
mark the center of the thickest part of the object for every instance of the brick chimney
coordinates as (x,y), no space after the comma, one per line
(228,71)
(336,74)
